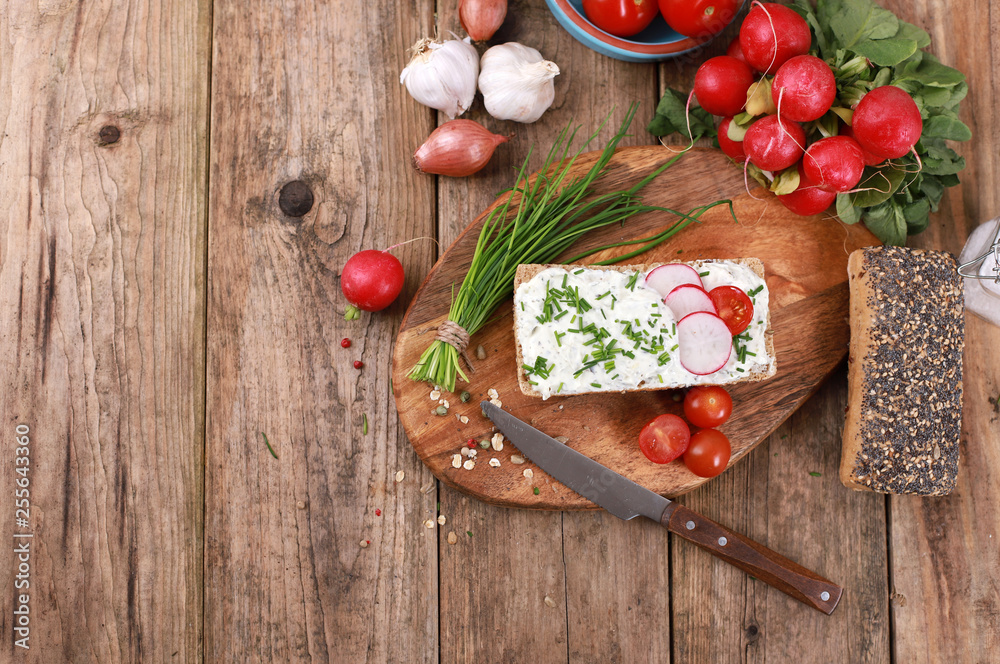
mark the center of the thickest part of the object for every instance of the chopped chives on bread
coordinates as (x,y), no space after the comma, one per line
(580,329)
(905,372)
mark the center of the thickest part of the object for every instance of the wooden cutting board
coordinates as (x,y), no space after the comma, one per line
(805,262)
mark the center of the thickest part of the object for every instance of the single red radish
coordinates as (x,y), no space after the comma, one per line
(705,343)
(869,158)
(371,280)
(771,34)
(721,85)
(772,144)
(834,164)
(733,50)
(687,299)
(665,278)
(804,88)
(733,149)
(808,198)
(887,122)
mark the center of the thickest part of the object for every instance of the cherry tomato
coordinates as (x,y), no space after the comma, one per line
(707,406)
(622,18)
(698,18)
(733,306)
(665,438)
(708,453)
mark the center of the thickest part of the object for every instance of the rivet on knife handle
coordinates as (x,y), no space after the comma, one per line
(755,559)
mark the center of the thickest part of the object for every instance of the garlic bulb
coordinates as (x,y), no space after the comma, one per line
(442,75)
(516,82)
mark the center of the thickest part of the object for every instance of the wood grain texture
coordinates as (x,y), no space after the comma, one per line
(773,497)
(102,290)
(301,91)
(805,263)
(494,585)
(510,619)
(944,552)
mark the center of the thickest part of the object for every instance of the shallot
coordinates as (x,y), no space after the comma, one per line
(457,148)
(482,18)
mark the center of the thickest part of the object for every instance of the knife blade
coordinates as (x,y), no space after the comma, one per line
(627,500)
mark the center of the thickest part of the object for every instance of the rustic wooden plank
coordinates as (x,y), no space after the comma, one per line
(944,552)
(531,559)
(103,146)
(494,585)
(772,496)
(301,92)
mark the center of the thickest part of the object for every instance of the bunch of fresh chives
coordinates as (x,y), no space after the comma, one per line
(550,216)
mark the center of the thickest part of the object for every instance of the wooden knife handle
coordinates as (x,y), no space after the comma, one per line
(753,558)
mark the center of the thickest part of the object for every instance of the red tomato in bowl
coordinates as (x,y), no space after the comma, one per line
(665,438)
(698,18)
(622,18)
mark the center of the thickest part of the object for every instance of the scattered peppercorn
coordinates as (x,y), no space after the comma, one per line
(378,512)
(537,491)
(358,364)
(345,343)
(465,396)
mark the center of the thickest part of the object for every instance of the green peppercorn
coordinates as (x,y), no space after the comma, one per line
(441,410)
(465,397)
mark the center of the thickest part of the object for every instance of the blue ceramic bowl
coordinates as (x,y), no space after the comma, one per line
(657,42)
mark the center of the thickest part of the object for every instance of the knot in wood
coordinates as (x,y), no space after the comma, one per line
(109,134)
(295,198)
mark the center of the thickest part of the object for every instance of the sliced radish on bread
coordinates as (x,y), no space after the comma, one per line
(705,343)
(665,278)
(687,299)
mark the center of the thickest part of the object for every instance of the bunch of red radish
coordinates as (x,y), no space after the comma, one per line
(775,40)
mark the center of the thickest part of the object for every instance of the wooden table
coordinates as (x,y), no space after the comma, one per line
(160,313)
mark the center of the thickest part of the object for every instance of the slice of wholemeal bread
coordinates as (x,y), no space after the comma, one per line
(904,376)
(761,371)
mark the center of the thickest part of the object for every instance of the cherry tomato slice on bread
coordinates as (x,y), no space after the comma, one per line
(708,453)
(733,306)
(707,406)
(665,438)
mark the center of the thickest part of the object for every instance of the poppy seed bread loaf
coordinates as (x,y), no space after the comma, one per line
(905,372)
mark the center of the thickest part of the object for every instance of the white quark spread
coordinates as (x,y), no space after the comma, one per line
(592,330)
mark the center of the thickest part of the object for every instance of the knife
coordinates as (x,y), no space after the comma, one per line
(627,500)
